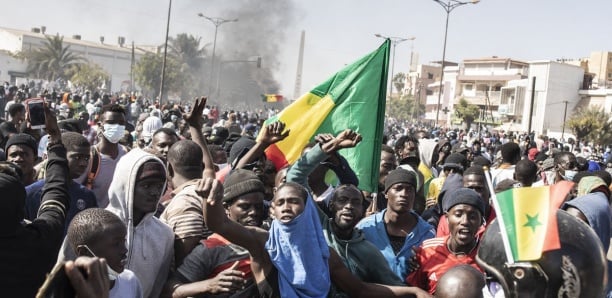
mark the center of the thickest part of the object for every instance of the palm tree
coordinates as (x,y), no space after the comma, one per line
(186,48)
(52,60)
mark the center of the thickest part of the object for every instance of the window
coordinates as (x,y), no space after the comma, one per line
(430,75)
(468,87)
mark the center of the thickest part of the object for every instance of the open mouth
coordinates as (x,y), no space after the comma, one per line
(347,216)
(464,233)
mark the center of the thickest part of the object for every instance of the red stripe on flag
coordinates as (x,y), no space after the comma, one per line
(276,156)
(557,194)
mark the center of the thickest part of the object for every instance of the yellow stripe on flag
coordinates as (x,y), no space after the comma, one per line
(303,118)
(531,208)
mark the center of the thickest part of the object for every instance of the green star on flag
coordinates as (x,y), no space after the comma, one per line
(532,222)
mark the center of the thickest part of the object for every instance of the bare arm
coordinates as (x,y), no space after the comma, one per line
(272,133)
(216,220)
(195,121)
(354,287)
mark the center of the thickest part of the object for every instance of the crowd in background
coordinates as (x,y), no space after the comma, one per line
(180,201)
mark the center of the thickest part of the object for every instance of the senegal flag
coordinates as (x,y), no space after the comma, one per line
(528,215)
(271,97)
(353,98)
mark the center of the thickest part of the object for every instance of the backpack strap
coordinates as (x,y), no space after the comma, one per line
(95,168)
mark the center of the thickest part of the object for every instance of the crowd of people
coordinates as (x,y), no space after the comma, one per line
(135,199)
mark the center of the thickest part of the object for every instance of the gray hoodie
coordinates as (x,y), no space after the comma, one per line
(150,244)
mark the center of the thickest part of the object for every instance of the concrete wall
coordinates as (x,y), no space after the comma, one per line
(555,83)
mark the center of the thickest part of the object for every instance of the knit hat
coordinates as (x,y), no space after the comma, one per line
(239,149)
(400,176)
(22,139)
(464,196)
(241,182)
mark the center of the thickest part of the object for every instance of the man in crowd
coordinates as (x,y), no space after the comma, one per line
(106,153)
(464,210)
(397,229)
(21,149)
(81,198)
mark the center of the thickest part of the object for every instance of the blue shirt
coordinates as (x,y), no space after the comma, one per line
(375,231)
(81,198)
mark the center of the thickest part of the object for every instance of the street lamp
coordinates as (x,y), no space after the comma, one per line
(394,41)
(163,73)
(217,22)
(448,7)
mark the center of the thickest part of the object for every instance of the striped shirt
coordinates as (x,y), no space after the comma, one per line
(184,213)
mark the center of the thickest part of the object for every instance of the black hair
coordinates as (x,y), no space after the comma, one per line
(16,108)
(387,148)
(526,172)
(88,225)
(401,142)
(583,163)
(168,131)
(114,108)
(474,170)
(510,152)
(185,157)
(559,156)
(73,140)
(604,175)
(301,189)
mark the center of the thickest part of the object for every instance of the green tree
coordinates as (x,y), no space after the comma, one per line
(147,73)
(88,76)
(591,124)
(52,60)
(404,108)
(186,48)
(399,81)
(466,112)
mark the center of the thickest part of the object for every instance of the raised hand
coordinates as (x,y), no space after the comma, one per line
(94,283)
(210,189)
(194,118)
(274,132)
(51,124)
(347,139)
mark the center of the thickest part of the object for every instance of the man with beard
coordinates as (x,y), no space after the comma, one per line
(464,210)
(360,256)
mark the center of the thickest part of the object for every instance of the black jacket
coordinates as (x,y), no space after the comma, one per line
(28,251)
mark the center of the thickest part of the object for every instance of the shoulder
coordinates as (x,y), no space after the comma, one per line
(34,187)
(434,243)
(370,221)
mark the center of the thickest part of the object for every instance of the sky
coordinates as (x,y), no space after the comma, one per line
(338,32)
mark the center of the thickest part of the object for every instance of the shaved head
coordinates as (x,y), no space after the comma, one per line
(463,279)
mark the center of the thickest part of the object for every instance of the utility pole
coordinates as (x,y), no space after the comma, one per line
(163,74)
(564,115)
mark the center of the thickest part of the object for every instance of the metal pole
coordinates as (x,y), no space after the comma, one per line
(531,106)
(442,71)
(212,61)
(163,74)
(564,115)
(392,70)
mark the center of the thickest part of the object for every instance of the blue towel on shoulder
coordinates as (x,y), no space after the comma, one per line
(300,253)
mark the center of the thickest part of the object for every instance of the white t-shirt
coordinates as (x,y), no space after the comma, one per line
(126,285)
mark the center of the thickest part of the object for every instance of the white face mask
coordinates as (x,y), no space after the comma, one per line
(112,274)
(569,175)
(113,132)
(221,166)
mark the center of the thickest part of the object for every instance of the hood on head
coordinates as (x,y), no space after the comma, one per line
(121,189)
(426,151)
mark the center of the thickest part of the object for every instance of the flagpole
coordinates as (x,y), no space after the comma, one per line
(500,219)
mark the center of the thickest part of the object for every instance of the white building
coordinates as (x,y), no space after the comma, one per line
(116,59)
(556,84)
